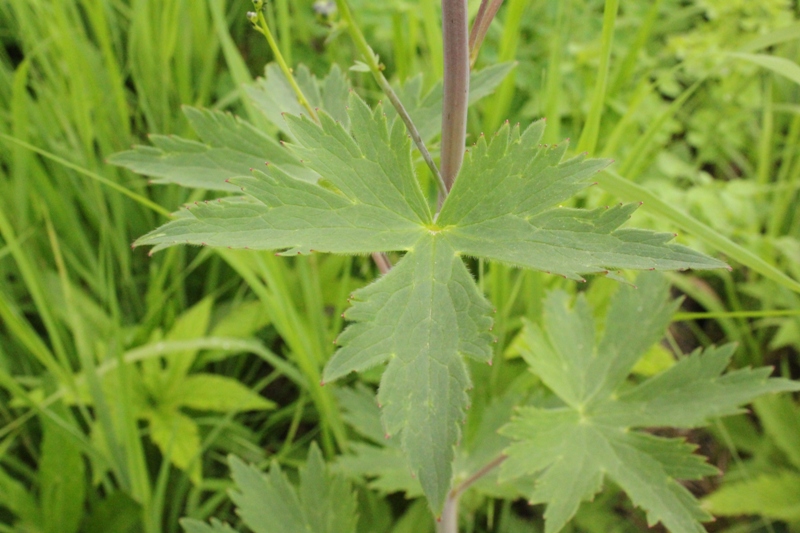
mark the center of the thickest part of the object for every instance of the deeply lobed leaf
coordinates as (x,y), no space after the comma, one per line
(423,388)
(502,208)
(572,448)
(357,193)
(323,502)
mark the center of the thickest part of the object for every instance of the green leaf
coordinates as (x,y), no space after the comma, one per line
(274,96)
(778,65)
(594,434)
(192,324)
(323,503)
(385,468)
(209,392)
(501,208)
(230,147)
(62,479)
(375,205)
(780,418)
(426,314)
(422,391)
(178,438)
(17,498)
(117,512)
(426,110)
(775,496)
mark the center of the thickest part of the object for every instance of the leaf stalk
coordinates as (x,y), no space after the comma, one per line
(371,60)
(449,520)
(259,23)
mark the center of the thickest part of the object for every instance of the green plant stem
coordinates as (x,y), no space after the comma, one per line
(591,130)
(448,522)
(261,26)
(455,94)
(376,69)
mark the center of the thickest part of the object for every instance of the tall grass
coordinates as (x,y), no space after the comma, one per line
(86,323)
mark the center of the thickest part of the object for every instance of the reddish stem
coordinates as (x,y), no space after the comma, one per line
(455,38)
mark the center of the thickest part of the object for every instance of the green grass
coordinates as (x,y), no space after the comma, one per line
(655,85)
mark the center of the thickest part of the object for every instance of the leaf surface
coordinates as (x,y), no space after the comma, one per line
(229,147)
(427,314)
(323,502)
(504,206)
(422,391)
(595,434)
(775,496)
(210,392)
(372,201)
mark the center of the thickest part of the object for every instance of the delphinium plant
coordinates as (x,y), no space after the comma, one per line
(345,182)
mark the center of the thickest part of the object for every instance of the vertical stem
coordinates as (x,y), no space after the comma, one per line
(455,38)
(449,520)
(448,523)
(591,130)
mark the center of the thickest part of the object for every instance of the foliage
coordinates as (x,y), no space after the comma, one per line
(323,502)
(699,111)
(426,313)
(592,435)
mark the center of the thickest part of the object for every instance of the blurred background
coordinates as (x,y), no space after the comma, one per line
(125,380)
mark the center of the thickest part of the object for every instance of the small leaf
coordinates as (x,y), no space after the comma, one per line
(385,468)
(324,503)
(61,478)
(780,418)
(178,438)
(775,496)
(210,392)
(273,95)
(192,324)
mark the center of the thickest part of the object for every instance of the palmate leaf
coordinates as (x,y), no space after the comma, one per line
(230,147)
(323,502)
(572,448)
(426,314)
